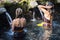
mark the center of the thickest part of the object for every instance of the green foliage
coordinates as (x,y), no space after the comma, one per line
(11,7)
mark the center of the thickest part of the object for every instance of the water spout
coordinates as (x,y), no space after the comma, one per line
(34,19)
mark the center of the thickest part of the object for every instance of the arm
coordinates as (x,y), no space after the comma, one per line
(13,25)
(45,6)
(42,9)
(46,13)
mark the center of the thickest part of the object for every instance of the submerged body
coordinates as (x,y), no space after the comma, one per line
(48,21)
(18,25)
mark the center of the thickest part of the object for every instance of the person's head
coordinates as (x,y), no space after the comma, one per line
(49,4)
(18,12)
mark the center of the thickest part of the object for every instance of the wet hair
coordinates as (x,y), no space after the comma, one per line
(49,3)
(18,12)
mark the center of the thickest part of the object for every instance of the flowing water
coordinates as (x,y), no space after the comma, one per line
(34,32)
(56,28)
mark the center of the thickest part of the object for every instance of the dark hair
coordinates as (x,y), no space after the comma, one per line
(38,2)
(50,4)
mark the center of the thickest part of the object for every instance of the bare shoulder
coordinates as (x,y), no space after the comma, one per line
(15,20)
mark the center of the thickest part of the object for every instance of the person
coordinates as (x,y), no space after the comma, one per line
(5,23)
(47,19)
(47,16)
(18,25)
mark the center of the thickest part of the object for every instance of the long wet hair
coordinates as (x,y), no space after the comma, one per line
(18,12)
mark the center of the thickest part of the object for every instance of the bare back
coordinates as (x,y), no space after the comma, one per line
(16,22)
